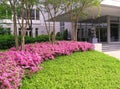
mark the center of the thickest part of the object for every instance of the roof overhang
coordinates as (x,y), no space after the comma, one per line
(93,13)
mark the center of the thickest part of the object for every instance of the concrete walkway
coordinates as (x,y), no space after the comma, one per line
(112,49)
(115,54)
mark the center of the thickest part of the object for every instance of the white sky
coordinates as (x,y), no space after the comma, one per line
(111,2)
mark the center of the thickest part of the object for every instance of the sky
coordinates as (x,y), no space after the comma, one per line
(111,2)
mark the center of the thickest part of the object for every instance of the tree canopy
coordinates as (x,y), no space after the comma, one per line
(5,11)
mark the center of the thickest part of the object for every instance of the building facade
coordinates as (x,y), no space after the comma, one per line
(107,25)
(38,25)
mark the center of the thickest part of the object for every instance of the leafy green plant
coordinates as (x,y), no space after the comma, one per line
(59,36)
(65,34)
(7,41)
(81,70)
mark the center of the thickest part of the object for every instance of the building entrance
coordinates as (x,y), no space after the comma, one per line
(101,34)
(114,31)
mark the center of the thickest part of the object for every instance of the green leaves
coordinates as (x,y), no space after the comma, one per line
(5,11)
(81,70)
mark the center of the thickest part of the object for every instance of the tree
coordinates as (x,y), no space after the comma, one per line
(53,8)
(75,9)
(12,4)
(44,11)
(26,21)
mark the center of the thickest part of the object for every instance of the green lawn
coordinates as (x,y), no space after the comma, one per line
(81,70)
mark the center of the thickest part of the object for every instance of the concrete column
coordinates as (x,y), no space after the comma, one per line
(35,13)
(28,33)
(119,30)
(33,32)
(108,29)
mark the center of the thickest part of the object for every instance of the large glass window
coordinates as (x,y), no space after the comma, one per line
(114,28)
(114,32)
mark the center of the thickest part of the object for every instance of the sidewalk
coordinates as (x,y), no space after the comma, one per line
(115,54)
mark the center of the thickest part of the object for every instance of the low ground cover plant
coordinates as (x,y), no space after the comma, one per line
(80,70)
(30,59)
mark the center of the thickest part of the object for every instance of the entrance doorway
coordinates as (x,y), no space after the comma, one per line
(101,34)
(114,32)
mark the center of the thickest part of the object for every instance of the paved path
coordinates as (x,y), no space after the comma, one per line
(112,49)
(115,54)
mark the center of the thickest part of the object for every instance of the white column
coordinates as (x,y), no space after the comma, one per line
(108,29)
(28,33)
(35,13)
(33,32)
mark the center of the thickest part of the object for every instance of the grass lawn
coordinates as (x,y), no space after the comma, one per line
(81,70)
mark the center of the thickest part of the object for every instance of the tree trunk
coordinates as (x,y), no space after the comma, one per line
(15,29)
(23,27)
(23,42)
(49,29)
(53,35)
(73,31)
(76,30)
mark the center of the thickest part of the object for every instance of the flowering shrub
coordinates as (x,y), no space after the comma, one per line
(36,53)
(10,73)
(13,62)
(26,60)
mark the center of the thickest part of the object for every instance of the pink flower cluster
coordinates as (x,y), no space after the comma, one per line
(14,62)
(10,73)
(36,53)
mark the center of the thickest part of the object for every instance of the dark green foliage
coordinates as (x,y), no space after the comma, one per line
(42,38)
(65,34)
(7,41)
(58,36)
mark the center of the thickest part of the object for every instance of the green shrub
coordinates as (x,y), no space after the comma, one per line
(58,36)
(6,41)
(65,34)
(42,38)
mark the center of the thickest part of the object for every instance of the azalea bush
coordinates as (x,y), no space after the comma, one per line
(36,53)
(10,73)
(14,62)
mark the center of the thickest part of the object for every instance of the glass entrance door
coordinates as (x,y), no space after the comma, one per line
(101,34)
(114,32)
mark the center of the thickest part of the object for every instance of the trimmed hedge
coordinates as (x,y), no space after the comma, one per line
(7,41)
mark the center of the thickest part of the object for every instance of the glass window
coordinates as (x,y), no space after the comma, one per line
(32,14)
(37,15)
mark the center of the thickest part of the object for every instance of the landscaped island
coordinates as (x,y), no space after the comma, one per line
(14,64)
